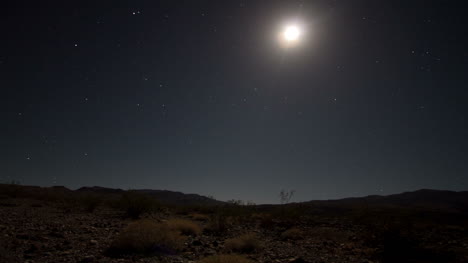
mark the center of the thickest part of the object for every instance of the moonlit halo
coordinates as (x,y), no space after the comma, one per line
(291,34)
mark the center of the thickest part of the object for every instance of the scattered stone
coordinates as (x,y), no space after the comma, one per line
(197,243)
(298,260)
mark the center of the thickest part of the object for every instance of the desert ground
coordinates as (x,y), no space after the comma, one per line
(103,225)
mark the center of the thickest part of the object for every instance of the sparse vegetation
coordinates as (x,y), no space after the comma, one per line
(266,221)
(285,196)
(339,232)
(246,243)
(185,227)
(135,204)
(199,217)
(292,234)
(146,237)
(230,258)
(218,224)
(91,202)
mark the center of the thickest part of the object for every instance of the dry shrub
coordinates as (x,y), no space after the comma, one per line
(185,227)
(330,234)
(146,237)
(292,234)
(232,258)
(266,221)
(135,204)
(90,202)
(246,243)
(199,217)
(218,224)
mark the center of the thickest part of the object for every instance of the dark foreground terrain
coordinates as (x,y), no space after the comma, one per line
(108,225)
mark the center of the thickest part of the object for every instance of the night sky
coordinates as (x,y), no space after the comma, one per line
(202,96)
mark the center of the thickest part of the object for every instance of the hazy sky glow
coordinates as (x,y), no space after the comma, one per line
(201,96)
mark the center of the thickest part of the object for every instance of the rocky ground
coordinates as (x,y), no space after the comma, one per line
(40,231)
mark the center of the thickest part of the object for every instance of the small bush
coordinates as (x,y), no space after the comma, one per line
(90,202)
(292,234)
(185,227)
(218,224)
(267,222)
(136,204)
(146,237)
(232,258)
(12,190)
(246,243)
(199,217)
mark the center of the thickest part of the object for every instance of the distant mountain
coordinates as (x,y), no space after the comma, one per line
(424,198)
(179,198)
(100,190)
(164,196)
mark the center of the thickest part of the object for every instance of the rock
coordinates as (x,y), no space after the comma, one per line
(209,252)
(87,259)
(197,243)
(298,260)
(22,236)
(32,248)
(56,234)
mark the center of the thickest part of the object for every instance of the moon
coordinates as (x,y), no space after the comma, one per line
(291,33)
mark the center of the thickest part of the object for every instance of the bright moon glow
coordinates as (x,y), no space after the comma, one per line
(291,33)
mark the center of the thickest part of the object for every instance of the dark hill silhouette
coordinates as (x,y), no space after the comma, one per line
(163,196)
(100,190)
(424,198)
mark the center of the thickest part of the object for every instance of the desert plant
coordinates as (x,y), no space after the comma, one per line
(90,202)
(246,243)
(235,202)
(135,204)
(266,221)
(185,227)
(292,234)
(218,224)
(199,217)
(146,237)
(11,190)
(231,258)
(285,196)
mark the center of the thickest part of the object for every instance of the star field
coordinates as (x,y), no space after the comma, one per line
(199,97)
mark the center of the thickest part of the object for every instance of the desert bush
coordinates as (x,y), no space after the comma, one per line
(330,234)
(90,202)
(199,217)
(231,258)
(266,221)
(246,243)
(292,234)
(218,224)
(185,227)
(135,204)
(146,237)
(10,190)
(398,239)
